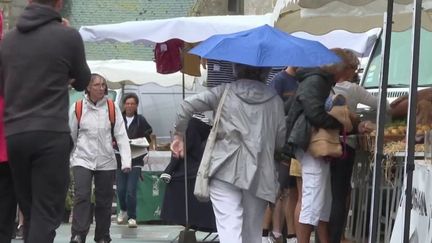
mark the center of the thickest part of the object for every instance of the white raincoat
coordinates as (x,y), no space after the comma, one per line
(93,147)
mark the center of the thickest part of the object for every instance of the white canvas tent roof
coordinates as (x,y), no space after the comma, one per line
(360,43)
(123,72)
(189,29)
(353,16)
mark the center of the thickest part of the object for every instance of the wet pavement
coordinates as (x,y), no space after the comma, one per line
(123,234)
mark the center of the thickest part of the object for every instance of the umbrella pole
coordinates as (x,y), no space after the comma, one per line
(381,117)
(412,105)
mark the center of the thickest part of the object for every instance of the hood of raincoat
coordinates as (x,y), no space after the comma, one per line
(251,91)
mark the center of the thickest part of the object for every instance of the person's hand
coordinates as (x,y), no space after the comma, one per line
(177,146)
(126,170)
(65,22)
(366,127)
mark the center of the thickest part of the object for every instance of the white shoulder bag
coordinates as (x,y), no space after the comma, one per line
(201,190)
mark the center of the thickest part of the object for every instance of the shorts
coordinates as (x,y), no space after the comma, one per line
(316,190)
(284,178)
(295,168)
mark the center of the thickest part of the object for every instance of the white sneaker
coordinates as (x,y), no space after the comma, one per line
(165,177)
(132,223)
(291,240)
(121,217)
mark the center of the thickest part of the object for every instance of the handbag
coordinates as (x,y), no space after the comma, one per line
(201,189)
(326,142)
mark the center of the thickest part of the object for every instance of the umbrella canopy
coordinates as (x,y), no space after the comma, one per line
(122,72)
(352,16)
(189,29)
(265,46)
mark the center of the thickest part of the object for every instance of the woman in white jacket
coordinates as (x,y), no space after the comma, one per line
(93,157)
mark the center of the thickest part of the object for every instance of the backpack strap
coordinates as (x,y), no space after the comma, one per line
(111,116)
(78,111)
(111,113)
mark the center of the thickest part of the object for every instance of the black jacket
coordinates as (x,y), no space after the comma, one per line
(37,60)
(138,128)
(197,133)
(307,109)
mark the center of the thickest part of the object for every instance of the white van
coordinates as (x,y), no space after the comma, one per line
(400,65)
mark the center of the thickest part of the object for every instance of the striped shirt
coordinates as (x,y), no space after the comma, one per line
(219,72)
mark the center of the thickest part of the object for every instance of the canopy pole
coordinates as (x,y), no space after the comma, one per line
(412,105)
(381,119)
(183,85)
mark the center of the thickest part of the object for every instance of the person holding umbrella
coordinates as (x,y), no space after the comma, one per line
(251,127)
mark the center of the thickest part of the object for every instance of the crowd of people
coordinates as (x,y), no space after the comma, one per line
(313,191)
(260,163)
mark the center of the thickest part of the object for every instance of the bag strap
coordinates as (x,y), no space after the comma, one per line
(219,109)
(111,115)
(78,111)
(344,144)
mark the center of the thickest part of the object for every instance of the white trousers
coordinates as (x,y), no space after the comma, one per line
(316,190)
(239,214)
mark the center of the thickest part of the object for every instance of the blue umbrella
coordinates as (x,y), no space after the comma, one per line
(265,46)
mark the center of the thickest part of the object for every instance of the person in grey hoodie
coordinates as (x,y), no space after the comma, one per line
(39,59)
(242,168)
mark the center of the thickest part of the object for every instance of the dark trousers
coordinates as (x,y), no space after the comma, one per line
(40,170)
(341,172)
(104,193)
(127,190)
(7,204)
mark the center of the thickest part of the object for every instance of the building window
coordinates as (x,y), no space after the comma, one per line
(235,6)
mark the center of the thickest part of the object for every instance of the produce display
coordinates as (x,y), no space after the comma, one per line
(395,134)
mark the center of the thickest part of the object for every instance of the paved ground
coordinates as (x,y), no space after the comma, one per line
(122,234)
(143,234)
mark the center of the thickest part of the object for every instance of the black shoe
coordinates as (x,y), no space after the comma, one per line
(102,241)
(76,239)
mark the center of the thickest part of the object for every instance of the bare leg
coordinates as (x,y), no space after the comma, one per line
(20,218)
(278,216)
(290,206)
(267,219)
(323,233)
(304,232)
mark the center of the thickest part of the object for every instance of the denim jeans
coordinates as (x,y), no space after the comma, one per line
(127,190)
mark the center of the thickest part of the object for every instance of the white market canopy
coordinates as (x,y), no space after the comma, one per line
(352,16)
(189,29)
(360,43)
(123,72)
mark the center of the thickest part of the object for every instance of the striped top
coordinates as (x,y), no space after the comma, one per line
(219,72)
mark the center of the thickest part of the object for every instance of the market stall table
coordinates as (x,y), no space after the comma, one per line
(390,191)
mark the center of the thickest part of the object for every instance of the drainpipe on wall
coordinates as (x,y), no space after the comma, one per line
(6,7)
